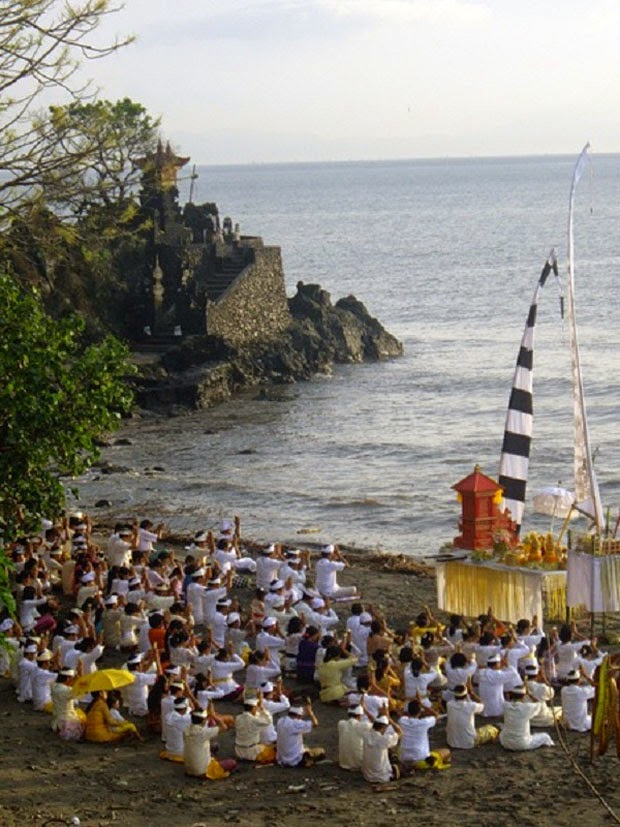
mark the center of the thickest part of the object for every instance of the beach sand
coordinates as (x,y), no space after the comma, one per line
(43,779)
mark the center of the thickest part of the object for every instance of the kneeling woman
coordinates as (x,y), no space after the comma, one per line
(102,726)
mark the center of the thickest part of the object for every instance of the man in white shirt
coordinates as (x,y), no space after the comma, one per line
(268,565)
(136,694)
(491,683)
(177,722)
(518,712)
(575,697)
(461,732)
(376,765)
(290,748)
(543,692)
(414,745)
(249,729)
(197,758)
(327,568)
(351,733)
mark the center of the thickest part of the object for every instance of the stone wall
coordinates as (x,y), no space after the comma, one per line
(254,308)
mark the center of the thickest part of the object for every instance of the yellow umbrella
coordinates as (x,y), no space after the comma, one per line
(102,679)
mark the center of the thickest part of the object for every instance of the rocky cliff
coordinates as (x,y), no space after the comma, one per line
(203,370)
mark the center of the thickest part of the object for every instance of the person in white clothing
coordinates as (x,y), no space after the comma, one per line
(268,565)
(250,727)
(575,697)
(146,535)
(329,564)
(518,712)
(351,733)
(415,751)
(540,690)
(274,702)
(197,758)
(566,650)
(177,722)
(491,683)
(26,668)
(290,748)
(376,766)
(461,732)
(135,695)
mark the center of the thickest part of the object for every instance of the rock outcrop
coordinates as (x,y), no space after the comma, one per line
(201,371)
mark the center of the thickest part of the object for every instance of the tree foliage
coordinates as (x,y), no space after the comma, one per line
(56,398)
(42,43)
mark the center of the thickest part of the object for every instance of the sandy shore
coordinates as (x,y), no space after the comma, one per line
(43,779)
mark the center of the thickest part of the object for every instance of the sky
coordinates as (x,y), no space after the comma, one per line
(244,81)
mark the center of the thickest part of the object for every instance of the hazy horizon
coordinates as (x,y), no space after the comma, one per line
(271,81)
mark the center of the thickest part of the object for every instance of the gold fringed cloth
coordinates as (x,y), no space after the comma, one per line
(470,588)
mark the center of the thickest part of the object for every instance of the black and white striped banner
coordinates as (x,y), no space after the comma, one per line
(514,462)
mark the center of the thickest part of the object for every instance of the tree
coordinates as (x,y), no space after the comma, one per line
(107,138)
(57,397)
(42,43)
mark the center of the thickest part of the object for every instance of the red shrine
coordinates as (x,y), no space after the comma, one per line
(481,518)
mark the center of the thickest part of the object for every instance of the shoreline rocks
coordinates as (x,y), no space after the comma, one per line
(202,371)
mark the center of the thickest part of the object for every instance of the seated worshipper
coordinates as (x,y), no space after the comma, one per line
(351,733)
(515,733)
(328,565)
(154,704)
(589,658)
(377,768)
(488,646)
(379,637)
(575,697)
(222,669)
(459,671)
(177,722)
(131,620)
(272,639)
(306,655)
(294,633)
(197,757)
(25,670)
(274,702)
(540,690)
(111,621)
(249,728)
(566,650)
(42,679)
(424,623)
(491,683)
(461,732)
(68,720)
(236,637)
(113,701)
(268,564)
(102,726)
(415,751)
(259,671)
(336,661)
(136,693)
(147,536)
(416,678)
(386,679)
(454,630)
(290,748)
(360,632)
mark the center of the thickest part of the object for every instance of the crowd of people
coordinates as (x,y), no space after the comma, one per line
(217,639)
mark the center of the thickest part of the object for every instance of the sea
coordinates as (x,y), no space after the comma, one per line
(446,253)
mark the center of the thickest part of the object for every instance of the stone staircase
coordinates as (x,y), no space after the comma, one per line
(230,268)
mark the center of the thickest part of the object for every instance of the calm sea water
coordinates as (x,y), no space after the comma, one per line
(446,254)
